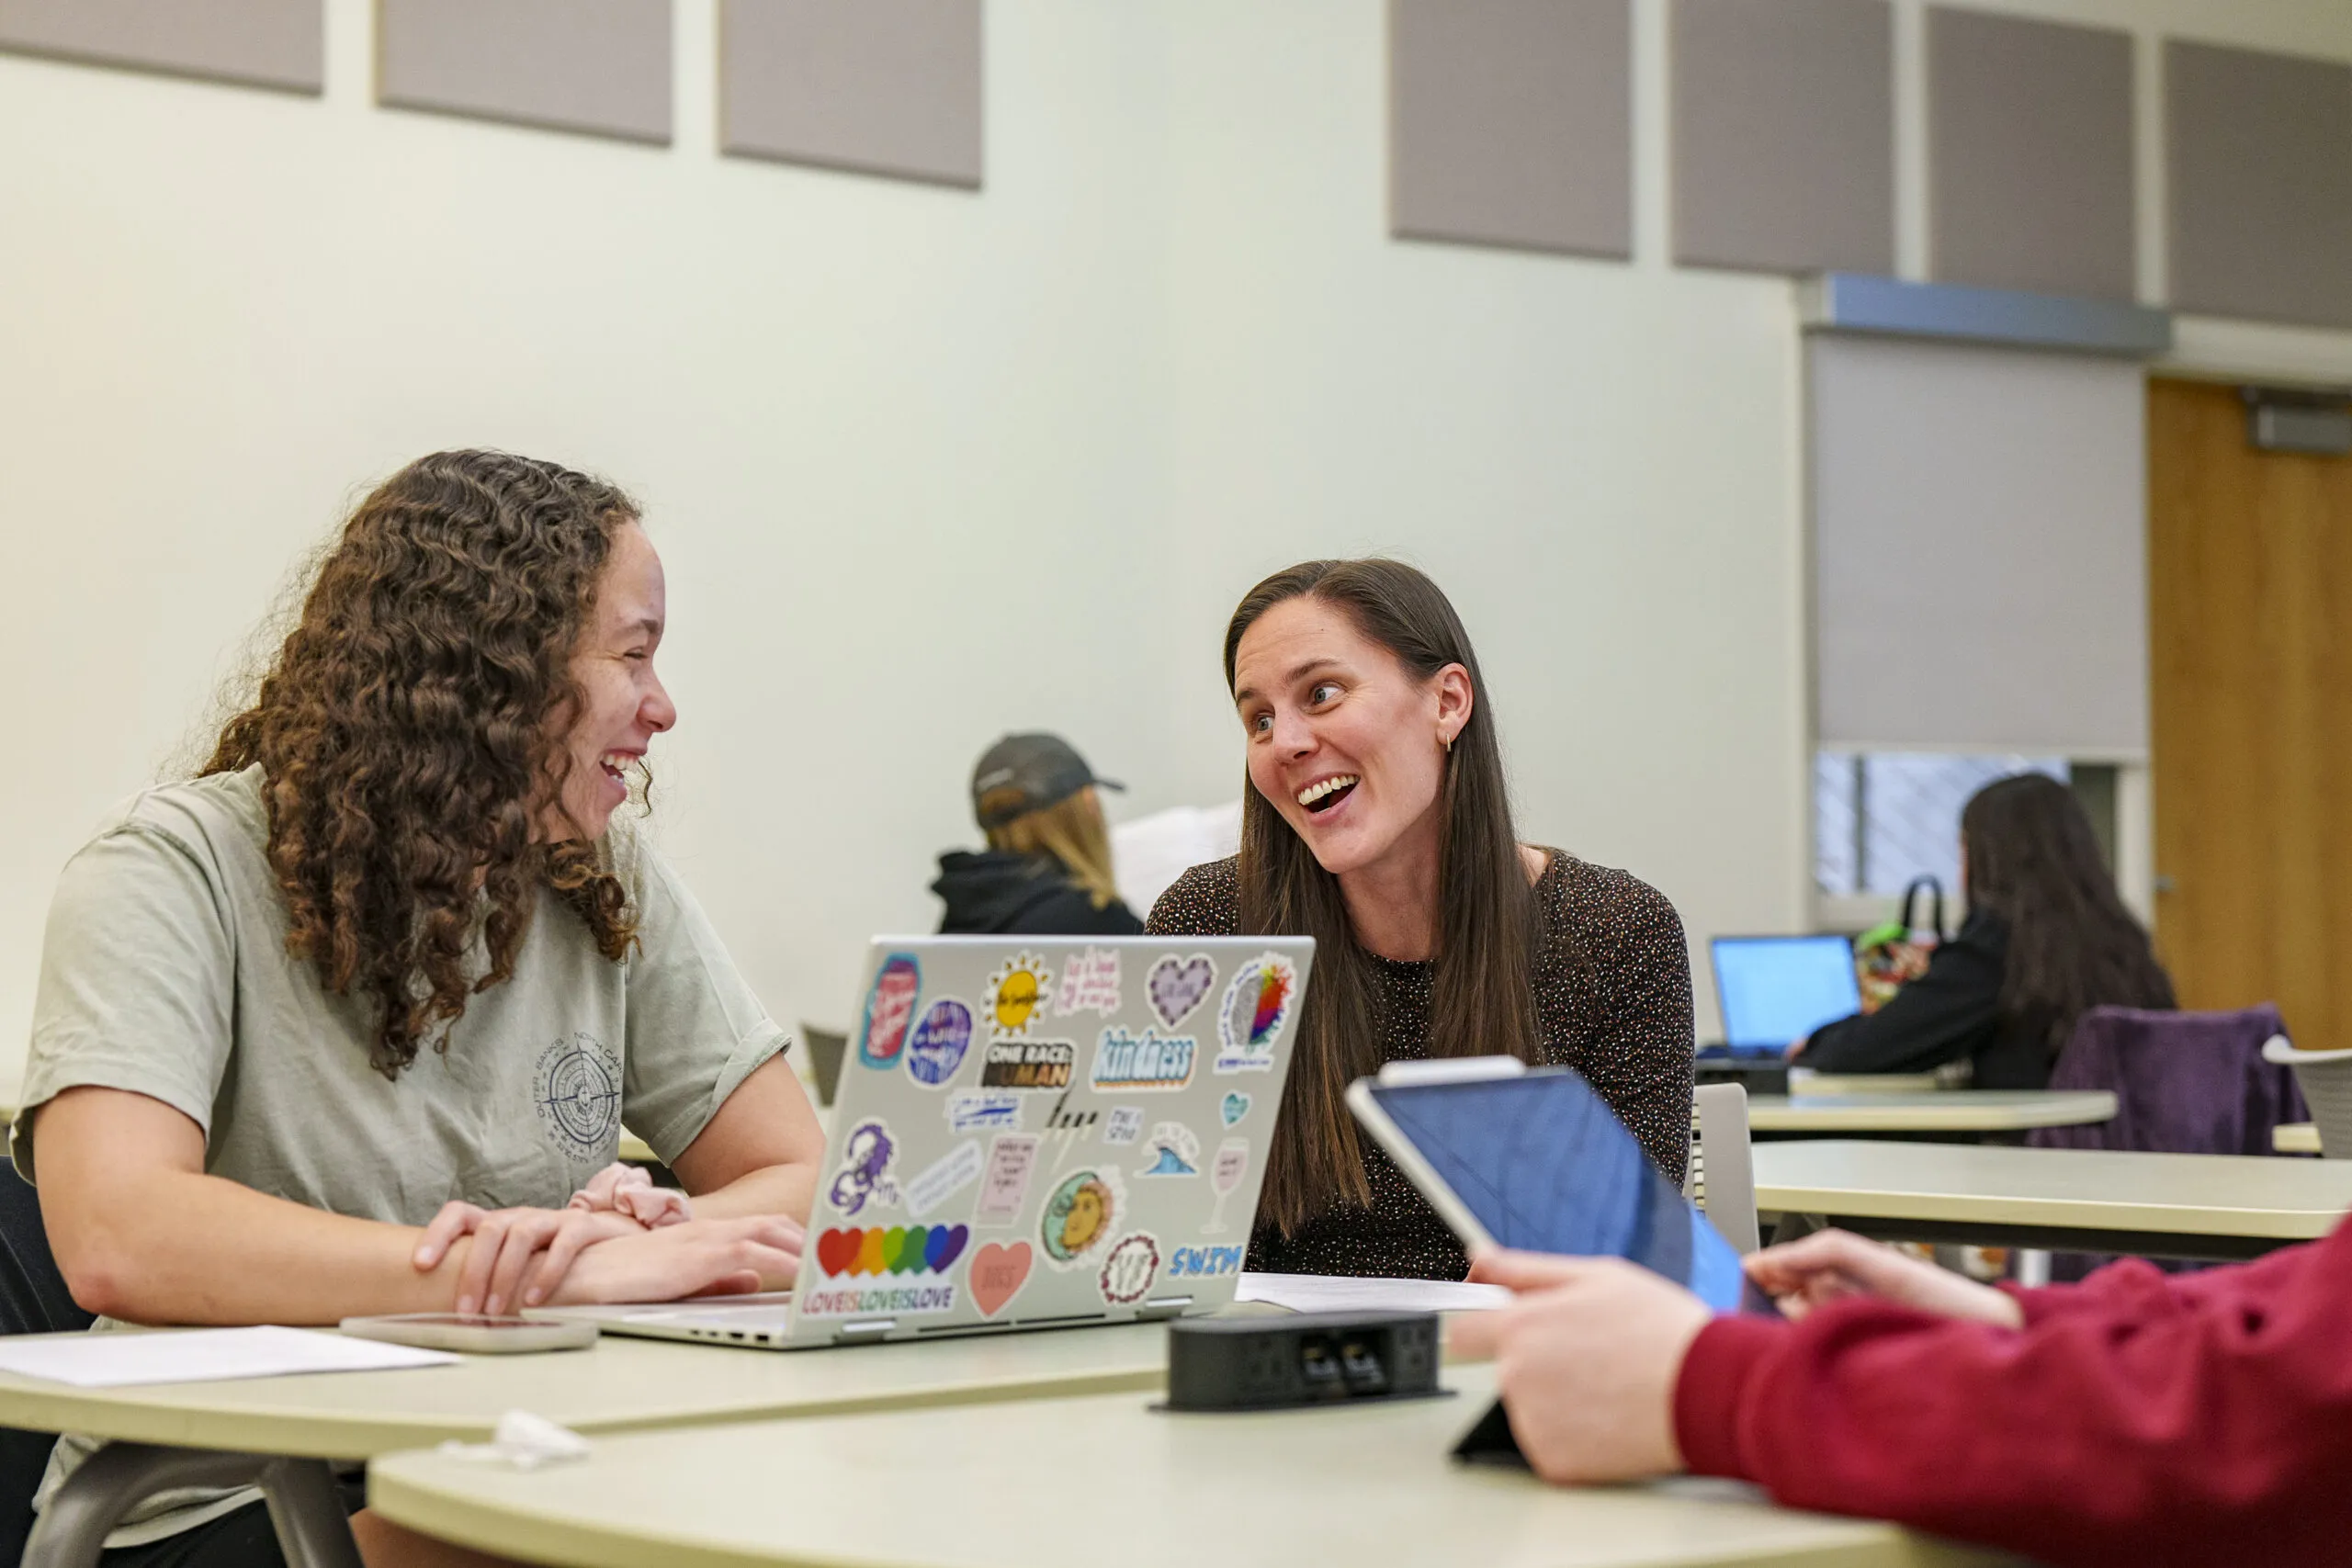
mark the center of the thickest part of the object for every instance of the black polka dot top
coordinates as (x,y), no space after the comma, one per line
(1622,1017)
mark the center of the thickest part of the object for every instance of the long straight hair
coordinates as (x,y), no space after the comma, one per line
(1484,1002)
(2034,860)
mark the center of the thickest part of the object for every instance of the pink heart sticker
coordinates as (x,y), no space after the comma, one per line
(997,1273)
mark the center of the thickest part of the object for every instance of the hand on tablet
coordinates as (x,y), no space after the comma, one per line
(1587,1358)
(700,1258)
(1829,1264)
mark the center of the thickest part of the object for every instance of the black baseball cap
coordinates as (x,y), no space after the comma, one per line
(1022,773)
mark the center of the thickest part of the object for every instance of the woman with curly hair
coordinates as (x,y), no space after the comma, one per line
(349,1023)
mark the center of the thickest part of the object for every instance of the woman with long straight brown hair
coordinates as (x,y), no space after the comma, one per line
(1378,822)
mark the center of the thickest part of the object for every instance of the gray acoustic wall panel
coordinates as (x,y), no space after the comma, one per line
(1511,123)
(1783,121)
(267,43)
(2259,149)
(601,66)
(886,86)
(2030,173)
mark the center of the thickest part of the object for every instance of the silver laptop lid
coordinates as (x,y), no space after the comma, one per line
(1035,1131)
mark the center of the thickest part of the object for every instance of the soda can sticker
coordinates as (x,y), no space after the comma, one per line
(890,1010)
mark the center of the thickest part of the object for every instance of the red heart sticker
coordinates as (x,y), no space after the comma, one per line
(997,1273)
(837,1249)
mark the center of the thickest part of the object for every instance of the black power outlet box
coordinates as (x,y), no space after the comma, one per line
(1268,1363)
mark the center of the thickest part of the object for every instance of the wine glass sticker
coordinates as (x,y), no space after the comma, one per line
(1225,1174)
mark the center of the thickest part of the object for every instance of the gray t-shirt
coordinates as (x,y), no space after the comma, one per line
(165,971)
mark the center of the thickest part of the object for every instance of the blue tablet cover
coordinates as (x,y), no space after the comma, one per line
(1546,1167)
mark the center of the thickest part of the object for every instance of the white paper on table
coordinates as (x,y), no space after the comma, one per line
(1340,1292)
(204,1355)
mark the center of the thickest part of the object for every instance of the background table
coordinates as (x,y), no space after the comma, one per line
(2204,1206)
(1075,1483)
(1951,1110)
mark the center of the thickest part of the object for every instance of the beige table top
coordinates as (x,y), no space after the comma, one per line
(2295,1138)
(620,1384)
(1953,1111)
(1804,1081)
(2225,1195)
(1075,1483)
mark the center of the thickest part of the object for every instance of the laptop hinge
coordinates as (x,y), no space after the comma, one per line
(1163,1306)
(871,1329)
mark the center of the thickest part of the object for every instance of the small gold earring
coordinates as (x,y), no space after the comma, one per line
(1449,745)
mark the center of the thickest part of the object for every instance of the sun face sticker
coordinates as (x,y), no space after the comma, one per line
(1079,1217)
(1017,994)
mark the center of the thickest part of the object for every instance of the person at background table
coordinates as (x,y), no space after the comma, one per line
(1046,870)
(1376,821)
(348,1023)
(2165,1421)
(2046,939)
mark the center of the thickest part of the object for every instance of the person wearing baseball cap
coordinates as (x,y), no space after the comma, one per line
(1046,870)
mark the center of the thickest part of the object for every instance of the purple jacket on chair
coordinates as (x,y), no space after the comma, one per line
(2189,1083)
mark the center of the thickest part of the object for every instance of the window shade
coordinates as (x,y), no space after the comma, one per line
(1979,520)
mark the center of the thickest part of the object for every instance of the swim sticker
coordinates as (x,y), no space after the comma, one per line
(865,1176)
(988,1110)
(1128,1271)
(1256,1005)
(1028,1064)
(1226,1172)
(1235,1107)
(1017,994)
(890,1009)
(1004,1183)
(1146,1061)
(1079,1215)
(1176,985)
(997,1273)
(1125,1127)
(937,1048)
(1173,1150)
(1090,982)
(577,1087)
(956,1170)
(1200,1262)
(880,1253)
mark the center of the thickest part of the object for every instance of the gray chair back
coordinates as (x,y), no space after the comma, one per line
(2326,1078)
(1721,1177)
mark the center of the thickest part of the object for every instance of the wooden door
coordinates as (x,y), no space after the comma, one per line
(2250,622)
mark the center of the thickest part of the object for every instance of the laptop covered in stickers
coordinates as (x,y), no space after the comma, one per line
(1032,1132)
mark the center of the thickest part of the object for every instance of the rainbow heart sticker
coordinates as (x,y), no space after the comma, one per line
(900,1249)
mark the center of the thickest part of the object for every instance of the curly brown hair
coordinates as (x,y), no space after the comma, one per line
(410,735)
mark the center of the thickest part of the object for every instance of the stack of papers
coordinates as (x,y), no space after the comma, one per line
(203,1355)
(1336,1293)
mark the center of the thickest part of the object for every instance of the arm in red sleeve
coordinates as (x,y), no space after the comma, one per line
(2148,1420)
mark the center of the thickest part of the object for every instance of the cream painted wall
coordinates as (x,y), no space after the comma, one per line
(923,465)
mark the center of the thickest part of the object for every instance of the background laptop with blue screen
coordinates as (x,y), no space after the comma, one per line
(1775,989)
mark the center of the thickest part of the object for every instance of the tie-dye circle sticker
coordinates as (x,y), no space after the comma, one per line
(1258,1005)
(890,1009)
(1079,1215)
(937,1048)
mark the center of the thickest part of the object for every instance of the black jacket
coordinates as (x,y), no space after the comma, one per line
(1950,1013)
(1023,895)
